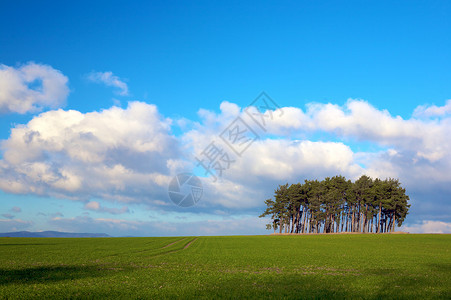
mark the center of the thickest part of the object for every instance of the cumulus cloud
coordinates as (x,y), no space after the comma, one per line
(433,110)
(429,226)
(129,155)
(414,150)
(361,121)
(265,163)
(268,163)
(123,154)
(95,206)
(30,88)
(109,79)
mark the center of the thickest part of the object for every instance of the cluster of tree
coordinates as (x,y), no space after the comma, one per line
(338,205)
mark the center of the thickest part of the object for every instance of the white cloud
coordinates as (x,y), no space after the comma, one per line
(92,205)
(267,163)
(95,206)
(433,110)
(361,121)
(428,226)
(129,155)
(123,154)
(109,79)
(31,88)
(415,151)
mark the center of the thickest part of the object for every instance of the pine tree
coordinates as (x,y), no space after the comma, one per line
(338,205)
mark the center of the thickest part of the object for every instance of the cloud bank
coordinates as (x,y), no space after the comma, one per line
(130,155)
(118,154)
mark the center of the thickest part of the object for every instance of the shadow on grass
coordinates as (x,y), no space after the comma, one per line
(387,284)
(444,267)
(406,284)
(268,287)
(29,244)
(49,274)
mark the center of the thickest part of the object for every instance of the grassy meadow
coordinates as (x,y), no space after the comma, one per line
(310,266)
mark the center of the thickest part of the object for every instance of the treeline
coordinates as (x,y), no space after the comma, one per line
(338,205)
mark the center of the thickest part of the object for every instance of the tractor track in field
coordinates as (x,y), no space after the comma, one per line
(146,250)
(178,250)
(161,248)
(189,244)
(168,245)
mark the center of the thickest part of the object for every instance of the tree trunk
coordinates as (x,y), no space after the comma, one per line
(347,219)
(394,221)
(298,221)
(305,218)
(379,221)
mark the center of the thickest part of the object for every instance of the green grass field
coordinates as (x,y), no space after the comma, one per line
(314,266)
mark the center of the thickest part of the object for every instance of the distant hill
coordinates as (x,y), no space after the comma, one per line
(53,234)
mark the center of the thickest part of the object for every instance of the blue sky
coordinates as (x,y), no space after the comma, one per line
(190,67)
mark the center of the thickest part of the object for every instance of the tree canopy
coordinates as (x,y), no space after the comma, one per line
(338,205)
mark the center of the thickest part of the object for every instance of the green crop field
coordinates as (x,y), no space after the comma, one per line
(313,266)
